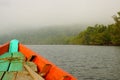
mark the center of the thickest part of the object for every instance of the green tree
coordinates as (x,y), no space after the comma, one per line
(115,30)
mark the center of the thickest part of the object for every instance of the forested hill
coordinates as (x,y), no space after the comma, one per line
(100,34)
(92,35)
(44,35)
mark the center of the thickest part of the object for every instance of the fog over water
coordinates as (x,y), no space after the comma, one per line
(20,14)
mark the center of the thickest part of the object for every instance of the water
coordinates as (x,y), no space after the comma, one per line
(84,62)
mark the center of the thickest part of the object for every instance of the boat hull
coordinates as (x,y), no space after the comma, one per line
(55,73)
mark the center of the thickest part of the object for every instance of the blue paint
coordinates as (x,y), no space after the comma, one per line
(13,46)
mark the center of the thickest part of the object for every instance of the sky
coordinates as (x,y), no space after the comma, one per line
(20,14)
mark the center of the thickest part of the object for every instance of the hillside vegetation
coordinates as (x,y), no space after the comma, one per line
(44,35)
(100,34)
(93,35)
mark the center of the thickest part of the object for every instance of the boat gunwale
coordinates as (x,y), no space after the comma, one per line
(55,72)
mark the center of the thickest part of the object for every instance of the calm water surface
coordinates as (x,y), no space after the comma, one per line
(84,62)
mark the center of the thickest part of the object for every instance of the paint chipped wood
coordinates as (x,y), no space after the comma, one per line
(32,65)
(17,62)
(24,75)
(4,61)
(9,76)
(1,75)
(33,74)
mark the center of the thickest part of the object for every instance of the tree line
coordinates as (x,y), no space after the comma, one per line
(99,34)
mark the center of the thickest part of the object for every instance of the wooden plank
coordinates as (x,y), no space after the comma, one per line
(9,76)
(13,47)
(1,75)
(33,74)
(19,55)
(16,66)
(17,62)
(24,75)
(4,61)
(32,65)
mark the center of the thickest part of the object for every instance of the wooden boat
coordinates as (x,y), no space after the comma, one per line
(17,62)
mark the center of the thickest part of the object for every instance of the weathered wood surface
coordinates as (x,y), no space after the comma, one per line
(32,65)
(1,75)
(27,73)
(14,67)
(33,74)
(17,62)
(20,75)
(24,75)
(4,61)
(9,76)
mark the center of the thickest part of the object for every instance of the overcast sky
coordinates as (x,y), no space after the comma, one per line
(36,13)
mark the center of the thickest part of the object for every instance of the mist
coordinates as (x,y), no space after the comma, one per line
(25,14)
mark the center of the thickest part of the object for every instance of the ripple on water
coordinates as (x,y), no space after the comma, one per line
(84,62)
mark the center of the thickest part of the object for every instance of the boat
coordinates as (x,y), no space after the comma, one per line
(17,62)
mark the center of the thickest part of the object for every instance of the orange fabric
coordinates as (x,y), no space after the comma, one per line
(4,48)
(55,73)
